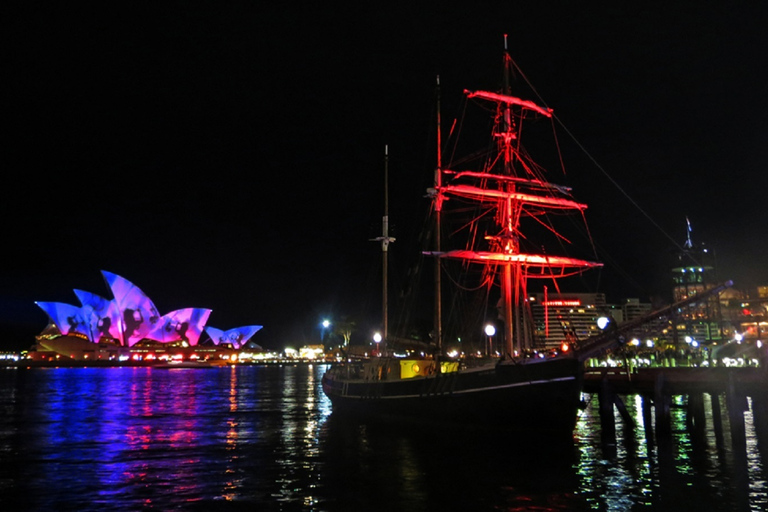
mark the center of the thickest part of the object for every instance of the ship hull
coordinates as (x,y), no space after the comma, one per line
(533,397)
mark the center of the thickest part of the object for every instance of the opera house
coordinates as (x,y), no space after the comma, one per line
(129,328)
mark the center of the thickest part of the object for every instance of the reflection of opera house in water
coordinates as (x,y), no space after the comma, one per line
(129,328)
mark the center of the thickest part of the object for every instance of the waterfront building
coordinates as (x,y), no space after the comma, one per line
(633,308)
(655,331)
(560,317)
(752,319)
(693,273)
(130,326)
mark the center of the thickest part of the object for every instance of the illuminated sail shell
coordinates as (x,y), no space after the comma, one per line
(237,337)
(67,318)
(102,316)
(131,317)
(181,325)
(138,317)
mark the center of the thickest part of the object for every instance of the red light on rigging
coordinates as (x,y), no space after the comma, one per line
(565,347)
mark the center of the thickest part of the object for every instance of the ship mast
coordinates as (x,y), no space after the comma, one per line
(510,282)
(385,240)
(438,325)
(511,187)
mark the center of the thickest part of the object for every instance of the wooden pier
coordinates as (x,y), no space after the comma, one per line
(729,386)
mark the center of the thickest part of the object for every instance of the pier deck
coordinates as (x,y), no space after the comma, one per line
(676,380)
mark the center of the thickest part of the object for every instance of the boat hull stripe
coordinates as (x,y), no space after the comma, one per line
(466,391)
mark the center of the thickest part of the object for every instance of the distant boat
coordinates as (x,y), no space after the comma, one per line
(516,386)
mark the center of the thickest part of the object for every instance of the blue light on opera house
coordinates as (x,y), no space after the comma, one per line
(129,321)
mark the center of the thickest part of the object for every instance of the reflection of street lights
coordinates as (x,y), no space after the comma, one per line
(490,331)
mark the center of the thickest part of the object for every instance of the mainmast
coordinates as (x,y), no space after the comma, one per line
(512,187)
(509,215)
(438,325)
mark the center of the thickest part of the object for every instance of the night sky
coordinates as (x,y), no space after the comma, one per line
(229,155)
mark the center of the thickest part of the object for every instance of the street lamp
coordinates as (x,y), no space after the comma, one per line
(490,331)
(377,339)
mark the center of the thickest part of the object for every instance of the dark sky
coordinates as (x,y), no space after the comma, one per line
(229,155)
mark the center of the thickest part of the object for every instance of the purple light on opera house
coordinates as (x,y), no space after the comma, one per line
(131,317)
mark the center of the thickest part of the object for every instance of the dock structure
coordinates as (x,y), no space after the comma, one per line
(732,387)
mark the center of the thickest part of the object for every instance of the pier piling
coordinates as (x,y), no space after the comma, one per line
(736,387)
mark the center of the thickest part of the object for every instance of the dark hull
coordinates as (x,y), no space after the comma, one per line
(537,396)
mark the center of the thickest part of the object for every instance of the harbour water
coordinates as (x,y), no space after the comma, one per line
(265,438)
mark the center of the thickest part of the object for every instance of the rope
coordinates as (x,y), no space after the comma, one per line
(595,162)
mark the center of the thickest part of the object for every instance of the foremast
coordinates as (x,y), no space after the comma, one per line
(385,240)
(514,189)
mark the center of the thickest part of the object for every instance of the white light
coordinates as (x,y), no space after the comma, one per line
(603,322)
(490,330)
(377,337)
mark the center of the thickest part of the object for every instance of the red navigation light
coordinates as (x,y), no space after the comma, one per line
(565,347)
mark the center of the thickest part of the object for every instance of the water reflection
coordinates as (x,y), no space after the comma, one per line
(424,468)
(265,437)
(693,468)
(143,437)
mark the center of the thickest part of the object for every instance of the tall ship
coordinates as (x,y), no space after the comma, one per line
(501,205)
